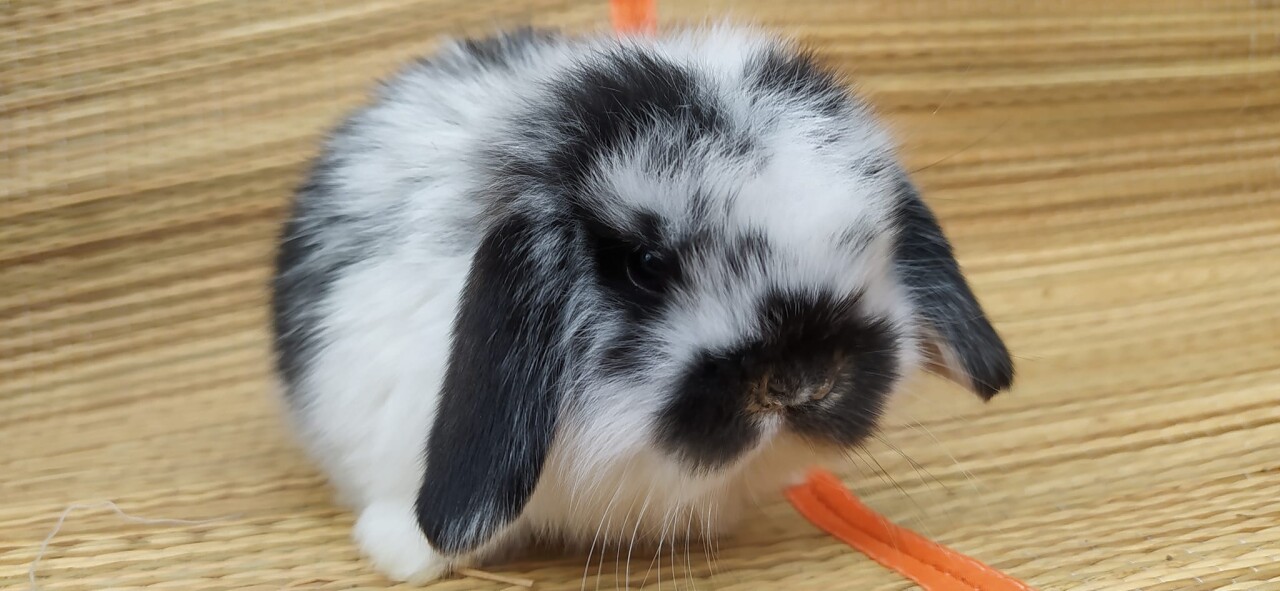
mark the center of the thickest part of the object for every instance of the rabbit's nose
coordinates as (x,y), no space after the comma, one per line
(775,391)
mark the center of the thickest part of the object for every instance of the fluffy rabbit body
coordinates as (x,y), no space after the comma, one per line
(596,290)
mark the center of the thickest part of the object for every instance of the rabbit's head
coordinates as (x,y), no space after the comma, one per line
(688,258)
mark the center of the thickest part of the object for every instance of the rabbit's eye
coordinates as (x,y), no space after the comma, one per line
(647,269)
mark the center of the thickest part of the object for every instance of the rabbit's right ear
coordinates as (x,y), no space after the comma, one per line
(500,400)
(960,341)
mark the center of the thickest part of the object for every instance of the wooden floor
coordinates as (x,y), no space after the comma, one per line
(1109,171)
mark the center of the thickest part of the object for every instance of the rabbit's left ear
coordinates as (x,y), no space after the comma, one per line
(500,400)
(959,339)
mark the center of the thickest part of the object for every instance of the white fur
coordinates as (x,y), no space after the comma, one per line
(369,396)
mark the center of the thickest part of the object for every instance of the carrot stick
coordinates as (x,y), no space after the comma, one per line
(634,16)
(830,490)
(824,501)
(928,577)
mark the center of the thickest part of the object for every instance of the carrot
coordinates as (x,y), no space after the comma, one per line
(634,16)
(813,508)
(825,502)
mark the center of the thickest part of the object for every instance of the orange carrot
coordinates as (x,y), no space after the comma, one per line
(825,502)
(634,16)
(813,508)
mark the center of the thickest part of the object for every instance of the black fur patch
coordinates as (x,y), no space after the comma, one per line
(938,288)
(630,353)
(499,50)
(741,253)
(798,74)
(748,251)
(610,248)
(604,107)
(500,400)
(856,239)
(862,390)
(302,277)
(872,166)
(708,424)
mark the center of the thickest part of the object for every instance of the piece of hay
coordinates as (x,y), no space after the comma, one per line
(62,519)
(516,582)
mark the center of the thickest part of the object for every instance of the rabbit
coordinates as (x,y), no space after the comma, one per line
(597,291)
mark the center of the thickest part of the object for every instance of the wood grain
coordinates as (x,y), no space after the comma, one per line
(1109,171)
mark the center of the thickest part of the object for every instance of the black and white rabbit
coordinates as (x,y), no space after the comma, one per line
(594,289)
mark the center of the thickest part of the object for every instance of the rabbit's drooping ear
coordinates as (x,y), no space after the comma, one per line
(500,399)
(960,341)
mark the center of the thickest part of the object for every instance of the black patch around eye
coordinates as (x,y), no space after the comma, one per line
(648,269)
(636,282)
